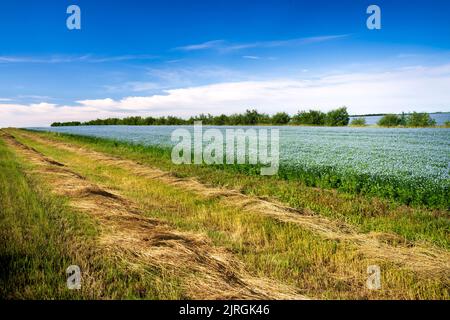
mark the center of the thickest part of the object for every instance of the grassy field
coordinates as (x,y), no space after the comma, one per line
(41,236)
(287,253)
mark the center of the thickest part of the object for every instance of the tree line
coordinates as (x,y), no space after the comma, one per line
(337,117)
(415,119)
(411,120)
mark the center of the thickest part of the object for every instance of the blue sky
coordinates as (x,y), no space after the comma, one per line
(185,57)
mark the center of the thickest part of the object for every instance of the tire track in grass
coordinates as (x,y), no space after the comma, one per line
(424,259)
(208,272)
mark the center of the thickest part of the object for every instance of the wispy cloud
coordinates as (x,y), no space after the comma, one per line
(188,76)
(88,58)
(407,55)
(27,97)
(283,43)
(167,77)
(133,86)
(34,97)
(120,58)
(224,46)
(202,46)
(252,57)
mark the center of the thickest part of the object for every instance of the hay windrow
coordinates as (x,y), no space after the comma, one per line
(126,234)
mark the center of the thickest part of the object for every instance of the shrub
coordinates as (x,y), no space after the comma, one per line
(281,118)
(65,124)
(338,117)
(417,119)
(317,117)
(447,124)
(358,122)
(311,117)
(251,117)
(390,120)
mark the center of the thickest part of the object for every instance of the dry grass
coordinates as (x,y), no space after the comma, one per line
(41,236)
(141,242)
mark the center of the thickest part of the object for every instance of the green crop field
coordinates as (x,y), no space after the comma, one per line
(410,166)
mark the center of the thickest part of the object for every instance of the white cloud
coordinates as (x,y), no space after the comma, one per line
(186,76)
(251,57)
(201,46)
(133,86)
(283,43)
(72,58)
(225,46)
(34,97)
(98,103)
(416,88)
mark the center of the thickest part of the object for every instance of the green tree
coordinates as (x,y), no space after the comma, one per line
(264,118)
(417,119)
(403,119)
(280,118)
(149,121)
(172,121)
(311,117)
(337,117)
(251,117)
(317,117)
(220,120)
(299,118)
(390,120)
(358,122)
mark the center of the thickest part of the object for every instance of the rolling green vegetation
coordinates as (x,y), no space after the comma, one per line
(369,214)
(412,120)
(338,117)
